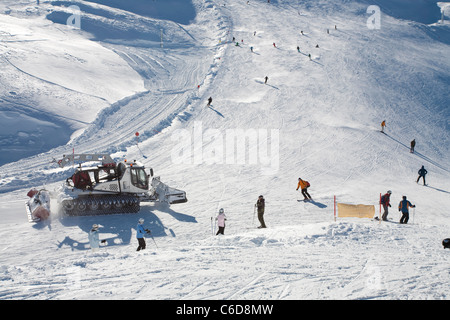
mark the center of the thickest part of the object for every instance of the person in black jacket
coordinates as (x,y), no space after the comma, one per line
(260,204)
(413,144)
(422,172)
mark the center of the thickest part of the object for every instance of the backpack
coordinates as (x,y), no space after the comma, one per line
(307,184)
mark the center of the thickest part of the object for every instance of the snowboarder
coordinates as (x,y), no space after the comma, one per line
(140,234)
(209,101)
(260,204)
(422,172)
(94,237)
(385,202)
(221,218)
(403,207)
(413,144)
(304,185)
(383,124)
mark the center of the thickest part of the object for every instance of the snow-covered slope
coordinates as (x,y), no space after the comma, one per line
(320,120)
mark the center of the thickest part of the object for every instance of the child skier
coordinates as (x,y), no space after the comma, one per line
(140,234)
(94,237)
(221,218)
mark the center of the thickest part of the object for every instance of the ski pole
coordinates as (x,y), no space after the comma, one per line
(212,226)
(150,234)
(414,214)
(154,241)
(254,212)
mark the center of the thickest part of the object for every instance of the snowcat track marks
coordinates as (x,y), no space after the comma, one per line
(101,205)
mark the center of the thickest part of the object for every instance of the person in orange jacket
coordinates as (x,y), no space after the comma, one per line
(383,124)
(304,185)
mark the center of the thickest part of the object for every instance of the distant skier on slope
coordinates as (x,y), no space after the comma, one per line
(304,185)
(385,202)
(404,206)
(209,101)
(265,79)
(383,124)
(221,218)
(422,172)
(260,205)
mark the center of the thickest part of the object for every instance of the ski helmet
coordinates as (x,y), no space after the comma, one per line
(221,210)
(446,243)
(141,221)
(95,226)
(389,191)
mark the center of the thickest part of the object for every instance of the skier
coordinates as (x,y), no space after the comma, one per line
(404,206)
(251,49)
(221,218)
(413,144)
(260,204)
(140,234)
(94,237)
(304,185)
(383,124)
(274,45)
(422,172)
(265,79)
(298,49)
(209,101)
(385,202)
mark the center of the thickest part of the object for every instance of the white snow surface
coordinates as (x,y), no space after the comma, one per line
(63,89)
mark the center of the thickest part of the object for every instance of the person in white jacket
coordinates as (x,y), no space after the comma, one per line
(221,222)
(94,240)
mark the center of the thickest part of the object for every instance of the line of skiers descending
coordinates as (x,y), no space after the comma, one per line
(403,207)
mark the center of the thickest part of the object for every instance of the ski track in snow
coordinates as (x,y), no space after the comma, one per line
(327,111)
